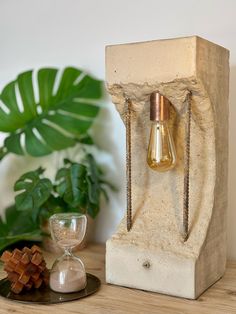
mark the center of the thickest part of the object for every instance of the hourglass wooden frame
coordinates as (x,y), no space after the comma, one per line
(153,255)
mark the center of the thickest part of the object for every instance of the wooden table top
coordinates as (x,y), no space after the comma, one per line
(110,299)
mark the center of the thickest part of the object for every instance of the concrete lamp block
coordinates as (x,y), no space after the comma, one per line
(153,255)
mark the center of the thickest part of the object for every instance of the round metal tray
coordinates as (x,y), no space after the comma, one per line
(45,295)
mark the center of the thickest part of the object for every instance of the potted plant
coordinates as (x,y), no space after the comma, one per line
(55,113)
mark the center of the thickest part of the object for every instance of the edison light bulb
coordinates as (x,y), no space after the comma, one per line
(161,150)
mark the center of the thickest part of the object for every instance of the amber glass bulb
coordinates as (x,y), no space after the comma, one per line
(161,150)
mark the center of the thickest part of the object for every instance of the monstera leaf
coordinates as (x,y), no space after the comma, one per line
(48,111)
(81,185)
(72,185)
(35,190)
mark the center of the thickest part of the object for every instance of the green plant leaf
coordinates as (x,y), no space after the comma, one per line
(53,205)
(93,210)
(93,180)
(34,191)
(80,185)
(93,190)
(16,227)
(28,236)
(71,183)
(58,119)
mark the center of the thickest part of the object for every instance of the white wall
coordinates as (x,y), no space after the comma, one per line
(35,33)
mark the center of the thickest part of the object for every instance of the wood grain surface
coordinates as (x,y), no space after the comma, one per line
(219,299)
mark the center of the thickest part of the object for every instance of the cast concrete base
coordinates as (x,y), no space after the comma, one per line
(163,272)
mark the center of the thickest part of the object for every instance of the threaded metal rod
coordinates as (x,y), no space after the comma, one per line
(186,170)
(128,105)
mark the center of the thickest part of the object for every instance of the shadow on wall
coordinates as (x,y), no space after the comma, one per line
(109,135)
(231,219)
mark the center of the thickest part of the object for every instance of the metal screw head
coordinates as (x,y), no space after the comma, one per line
(146,264)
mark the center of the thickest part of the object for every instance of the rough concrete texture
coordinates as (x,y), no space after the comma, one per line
(173,67)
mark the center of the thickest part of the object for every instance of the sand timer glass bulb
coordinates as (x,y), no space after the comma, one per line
(161,150)
(68,272)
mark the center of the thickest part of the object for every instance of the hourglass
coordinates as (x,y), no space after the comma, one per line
(68,272)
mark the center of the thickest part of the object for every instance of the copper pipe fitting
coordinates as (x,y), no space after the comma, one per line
(159,107)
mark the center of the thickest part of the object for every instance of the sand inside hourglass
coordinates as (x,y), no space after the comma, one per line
(68,277)
(67,280)
(66,238)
